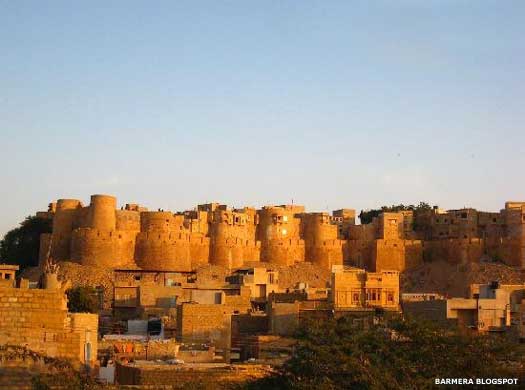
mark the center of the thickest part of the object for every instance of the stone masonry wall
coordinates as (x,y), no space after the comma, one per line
(38,319)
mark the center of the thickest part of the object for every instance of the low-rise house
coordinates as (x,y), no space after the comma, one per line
(489,308)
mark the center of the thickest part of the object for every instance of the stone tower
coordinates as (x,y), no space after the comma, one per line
(163,242)
(279,232)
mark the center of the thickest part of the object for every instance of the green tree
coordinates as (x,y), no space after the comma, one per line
(407,355)
(82,300)
(21,245)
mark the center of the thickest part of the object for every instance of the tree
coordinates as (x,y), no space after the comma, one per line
(406,355)
(82,300)
(21,245)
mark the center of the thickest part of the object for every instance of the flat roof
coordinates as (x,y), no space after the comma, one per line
(10,267)
(154,271)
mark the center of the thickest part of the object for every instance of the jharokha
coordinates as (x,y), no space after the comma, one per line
(104,235)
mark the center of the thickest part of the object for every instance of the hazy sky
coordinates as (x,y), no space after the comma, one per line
(331,104)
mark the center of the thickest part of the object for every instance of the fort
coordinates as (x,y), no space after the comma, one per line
(103,235)
(191,295)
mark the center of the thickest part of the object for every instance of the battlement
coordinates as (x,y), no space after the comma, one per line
(235,241)
(160,221)
(101,234)
(164,236)
(102,248)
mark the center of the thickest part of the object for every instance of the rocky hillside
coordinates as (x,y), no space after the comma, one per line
(454,280)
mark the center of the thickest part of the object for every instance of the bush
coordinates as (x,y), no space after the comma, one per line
(407,355)
(82,300)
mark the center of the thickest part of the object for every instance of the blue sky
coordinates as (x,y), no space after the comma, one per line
(329,103)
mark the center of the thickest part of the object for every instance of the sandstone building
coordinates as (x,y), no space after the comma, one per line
(402,240)
(490,308)
(356,289)
(387,243)
(466,235)
(101,234)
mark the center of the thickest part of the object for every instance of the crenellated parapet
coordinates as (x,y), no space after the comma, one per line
(103,248)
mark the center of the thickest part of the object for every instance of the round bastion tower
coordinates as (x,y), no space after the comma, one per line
(322,247)
(232,241)
(163,242)
(98,242)
(279,233)
(102,212)
(64,221)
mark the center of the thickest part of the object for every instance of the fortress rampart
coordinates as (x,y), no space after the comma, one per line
(102,235)
(103,248)
(457,236)
(279,231)
(102,212)
(233,237)
(322,245)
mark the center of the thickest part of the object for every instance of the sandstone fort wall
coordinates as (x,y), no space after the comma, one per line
(100,234)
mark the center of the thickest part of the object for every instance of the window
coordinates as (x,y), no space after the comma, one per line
(284,232)
(355,297)
(285,218)
(390,297)
(8,276)
(464,215)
